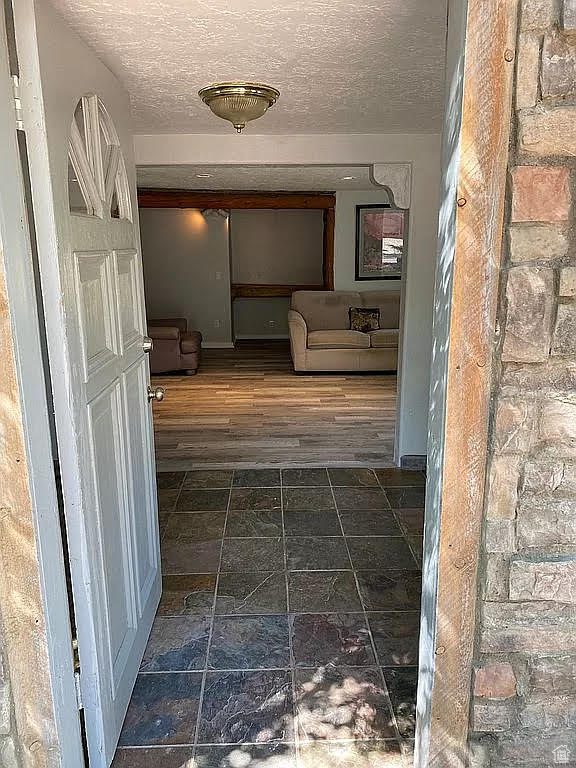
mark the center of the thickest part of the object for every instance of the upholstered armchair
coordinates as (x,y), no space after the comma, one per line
(175,348)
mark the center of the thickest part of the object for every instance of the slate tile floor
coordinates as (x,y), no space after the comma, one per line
(287,633)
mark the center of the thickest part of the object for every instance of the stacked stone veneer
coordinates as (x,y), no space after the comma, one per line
(524,688)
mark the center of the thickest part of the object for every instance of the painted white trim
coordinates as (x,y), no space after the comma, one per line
(217,345)
(270,149)
(29,365)
(260,336)
(396,177)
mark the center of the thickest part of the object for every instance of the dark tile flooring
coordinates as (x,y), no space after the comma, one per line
(287,633)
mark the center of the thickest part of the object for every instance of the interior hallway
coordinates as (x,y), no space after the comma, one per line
(287,634)
(247,408)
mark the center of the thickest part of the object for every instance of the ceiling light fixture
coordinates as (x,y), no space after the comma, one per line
(239,102)
(347,178)
(203,175)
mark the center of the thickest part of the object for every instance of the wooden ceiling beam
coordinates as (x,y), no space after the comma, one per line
(186,198)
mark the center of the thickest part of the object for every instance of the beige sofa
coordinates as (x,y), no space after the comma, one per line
(320,335)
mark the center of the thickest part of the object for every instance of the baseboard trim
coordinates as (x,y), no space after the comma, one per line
(413,462)
(260,337)
(217,345)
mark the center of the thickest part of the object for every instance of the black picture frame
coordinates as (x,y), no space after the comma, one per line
(364,248)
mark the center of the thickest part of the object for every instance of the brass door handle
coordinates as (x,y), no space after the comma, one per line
(147,344)
(156,394)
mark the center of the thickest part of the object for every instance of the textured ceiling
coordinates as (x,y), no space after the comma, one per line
(342,66)
(266,178)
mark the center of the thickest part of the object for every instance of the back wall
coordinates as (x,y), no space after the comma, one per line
(187,270)
(272,246)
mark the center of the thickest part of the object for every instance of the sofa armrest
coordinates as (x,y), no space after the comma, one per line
(163,332)
(298,339)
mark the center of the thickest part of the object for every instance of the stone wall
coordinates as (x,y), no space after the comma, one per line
(8,757)
(524,688)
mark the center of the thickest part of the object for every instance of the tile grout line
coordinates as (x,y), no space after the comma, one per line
(398,519)
(289,625)
(271,669)
(287,742)
(212,618)
(171,512)
(292,613)
(182,482)
(367,622)
(407,539)
(401,739)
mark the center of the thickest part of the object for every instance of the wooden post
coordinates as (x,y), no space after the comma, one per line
(328,247)
(480,195)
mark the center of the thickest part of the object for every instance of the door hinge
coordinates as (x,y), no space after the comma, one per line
(78,690)
(17,103)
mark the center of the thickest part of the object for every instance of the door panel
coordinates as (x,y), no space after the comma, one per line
(129,299)
(144,535)
(95,311)
(111,535)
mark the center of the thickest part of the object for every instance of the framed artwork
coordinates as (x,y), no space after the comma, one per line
(380,242)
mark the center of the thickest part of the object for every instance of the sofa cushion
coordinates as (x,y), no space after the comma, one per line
(326,310)
(338,340)
(384,338)
(388,302)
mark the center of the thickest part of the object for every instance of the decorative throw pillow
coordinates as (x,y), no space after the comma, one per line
(364,319)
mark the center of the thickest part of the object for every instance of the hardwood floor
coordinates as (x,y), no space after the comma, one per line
(247,408)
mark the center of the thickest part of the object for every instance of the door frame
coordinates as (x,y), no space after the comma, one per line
(471,222)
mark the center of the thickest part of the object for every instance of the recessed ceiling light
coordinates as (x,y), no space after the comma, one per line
(203,175)
(347,178)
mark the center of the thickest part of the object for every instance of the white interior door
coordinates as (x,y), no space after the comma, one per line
(82,178)
(103,302)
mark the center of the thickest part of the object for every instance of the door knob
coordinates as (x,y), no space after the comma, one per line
(147,344)
(156,394)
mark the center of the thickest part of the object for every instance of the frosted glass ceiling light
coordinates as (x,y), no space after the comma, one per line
(239,102)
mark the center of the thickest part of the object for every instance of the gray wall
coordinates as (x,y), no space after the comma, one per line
(345,242)
(268,246)
(261,317)
(282,246)
(187,270)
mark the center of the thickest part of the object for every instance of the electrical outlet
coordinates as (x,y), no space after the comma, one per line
(271,323)
(217,323)
(218,275)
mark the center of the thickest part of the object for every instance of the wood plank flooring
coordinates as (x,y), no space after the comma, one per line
(246,408)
